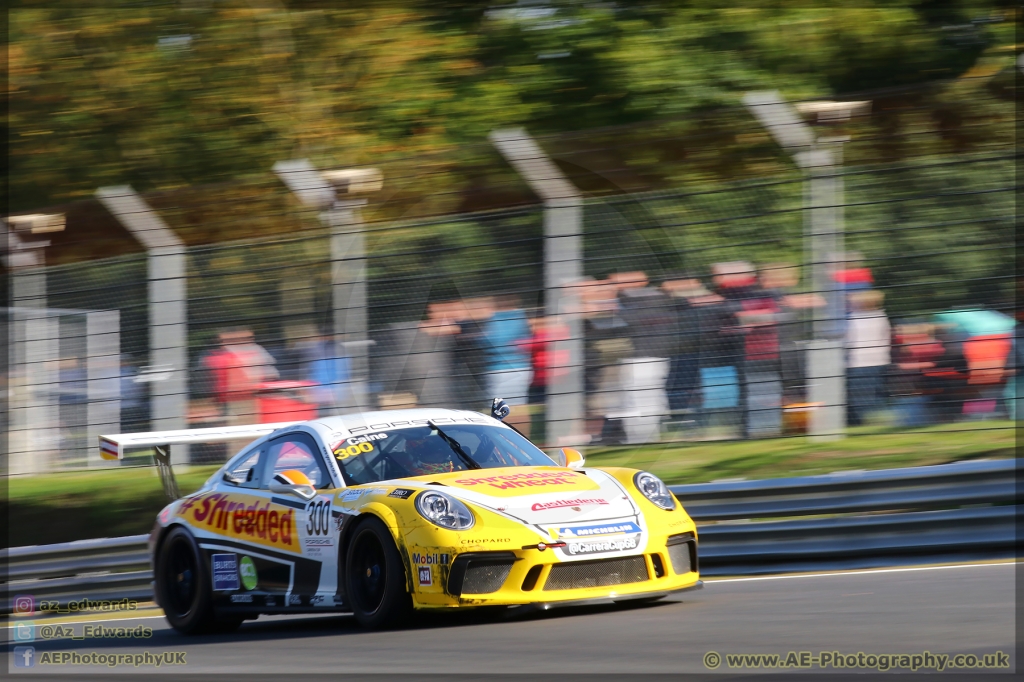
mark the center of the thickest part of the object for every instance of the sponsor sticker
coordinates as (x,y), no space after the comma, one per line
(243,517)
(319,542)
(531,479)
(241,598)
(225,572)
(352,495)
(575,502)
(601,546)
(430,559)
(248,570)
(426,576)
(603,529)
(401,493)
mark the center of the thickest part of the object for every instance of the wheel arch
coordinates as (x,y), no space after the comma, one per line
(351,521)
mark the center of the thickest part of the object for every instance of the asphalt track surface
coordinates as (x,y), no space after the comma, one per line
(951,609)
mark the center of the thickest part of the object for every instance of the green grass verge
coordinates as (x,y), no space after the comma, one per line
(114,502)
(90,504)
(864,448)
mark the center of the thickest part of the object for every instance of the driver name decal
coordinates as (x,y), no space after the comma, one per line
(252,519)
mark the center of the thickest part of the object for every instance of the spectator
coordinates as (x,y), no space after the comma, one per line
(545,331)
(756,350)
(328,370)
(239,368)
(946,381)
(508,365)
(779,280)
(915,352)
(469,354)
(868,339)
(653,328)
(684,368)
(607,343)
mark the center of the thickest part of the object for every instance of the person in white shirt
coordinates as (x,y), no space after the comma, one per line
(868,343)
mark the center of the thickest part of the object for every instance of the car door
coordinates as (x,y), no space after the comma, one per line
(314,581)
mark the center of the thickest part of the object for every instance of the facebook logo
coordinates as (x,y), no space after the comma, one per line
(25,631)
(24,656)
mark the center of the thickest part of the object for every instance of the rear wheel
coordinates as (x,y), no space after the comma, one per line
(183,587)
(375,577)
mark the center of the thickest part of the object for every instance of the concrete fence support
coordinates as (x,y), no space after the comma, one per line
(563,267)
(343,217)
(348,295)
(33,356)
(168,330)
(823,242)
(103,374)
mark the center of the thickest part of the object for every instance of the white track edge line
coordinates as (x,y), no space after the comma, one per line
(865,572)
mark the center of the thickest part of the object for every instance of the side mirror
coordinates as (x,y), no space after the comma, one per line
(573,458)
(292,482)
(499,409)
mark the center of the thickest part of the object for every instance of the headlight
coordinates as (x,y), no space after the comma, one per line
(654,490)
(444,511)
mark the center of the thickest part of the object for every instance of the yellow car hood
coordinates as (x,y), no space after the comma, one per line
(538,495)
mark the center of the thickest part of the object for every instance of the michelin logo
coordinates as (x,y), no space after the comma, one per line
(606,529)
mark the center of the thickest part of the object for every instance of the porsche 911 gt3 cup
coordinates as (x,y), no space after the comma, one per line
(382,512)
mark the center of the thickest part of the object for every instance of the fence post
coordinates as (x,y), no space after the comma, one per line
(33,356)
(563,267)
(103,372)
(823,229)
(168,337)
(343,218)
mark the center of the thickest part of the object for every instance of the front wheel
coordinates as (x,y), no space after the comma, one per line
(375,577)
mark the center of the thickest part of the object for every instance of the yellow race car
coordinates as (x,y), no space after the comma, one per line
(382,512)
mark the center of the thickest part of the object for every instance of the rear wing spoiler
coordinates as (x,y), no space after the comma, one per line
(113,447)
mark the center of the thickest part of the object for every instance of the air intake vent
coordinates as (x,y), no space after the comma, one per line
(578,574)
(682,552)
(485,577)
(479,572)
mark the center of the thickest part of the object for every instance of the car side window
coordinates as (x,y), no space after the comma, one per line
(295,451)
(245,472)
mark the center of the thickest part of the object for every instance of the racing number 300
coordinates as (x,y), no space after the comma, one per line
(318,518)
(353,450)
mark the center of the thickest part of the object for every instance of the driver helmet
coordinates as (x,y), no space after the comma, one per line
(428,455)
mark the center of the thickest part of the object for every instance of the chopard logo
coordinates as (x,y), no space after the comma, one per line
(577,502)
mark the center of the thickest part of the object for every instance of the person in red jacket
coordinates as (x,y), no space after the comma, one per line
(539,345)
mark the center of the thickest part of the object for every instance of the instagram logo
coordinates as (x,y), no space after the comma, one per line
(24,605)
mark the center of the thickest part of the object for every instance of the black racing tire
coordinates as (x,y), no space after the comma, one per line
(183,585)
(375,577)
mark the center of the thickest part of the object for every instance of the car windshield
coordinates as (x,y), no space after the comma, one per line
(418,450)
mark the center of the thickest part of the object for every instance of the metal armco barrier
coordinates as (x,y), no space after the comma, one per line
(951,512)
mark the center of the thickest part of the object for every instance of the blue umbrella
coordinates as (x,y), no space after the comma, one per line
(978,322)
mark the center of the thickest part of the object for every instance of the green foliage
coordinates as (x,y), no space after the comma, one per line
(164,95)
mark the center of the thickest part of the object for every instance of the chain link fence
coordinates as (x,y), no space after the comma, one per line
(697,308)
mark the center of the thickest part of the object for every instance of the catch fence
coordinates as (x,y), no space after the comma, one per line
(697,304)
